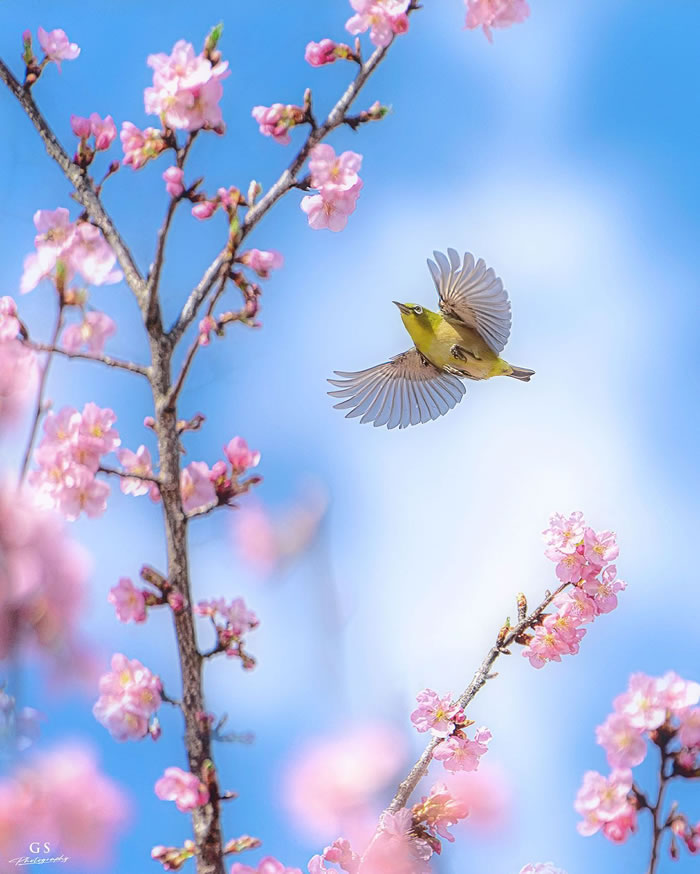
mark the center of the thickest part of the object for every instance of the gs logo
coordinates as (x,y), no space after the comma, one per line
(37,847)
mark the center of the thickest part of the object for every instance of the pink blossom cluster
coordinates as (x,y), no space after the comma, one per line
(202,487)
(64,249)
(607,803)
(183,787)
(129,696)
(660,709)
(689,834)
(395,848)
(42,576)
(186,89)
(583,558)
(383,19)
(140,146)
(18,366)
(69,456)
(268,865)
(495,13)
(232,621)
(227,198)
(336,177)
(56,46)
(327,52)
(277,120)
(61,795)
(102,129)
(447,720)
(435,813)
(90,334)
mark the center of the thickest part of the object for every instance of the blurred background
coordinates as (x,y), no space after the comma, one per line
(564,154)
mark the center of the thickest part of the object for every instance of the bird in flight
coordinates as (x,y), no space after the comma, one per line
(463,341)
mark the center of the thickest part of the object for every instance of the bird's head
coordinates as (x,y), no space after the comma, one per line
(412,313)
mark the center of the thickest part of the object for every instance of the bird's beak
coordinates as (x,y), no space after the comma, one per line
(402,307)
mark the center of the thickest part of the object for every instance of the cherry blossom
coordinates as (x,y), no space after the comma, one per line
(438,810)
(9,323)
(196,486)
(104,130)
(434,714)
(139,464)
(129,602)
(140,146)
(383,19)
(459,753)
(184,788)
(173,177)
(624,744)
(603,803)
(329,170)
(331,208)
(61,794)
(19,374)
(232,621)
(90,334)
(326,52)
(129,695)
(56,46)
(495,13)
(186,88)
(262,261)
(240,456)
(277,120)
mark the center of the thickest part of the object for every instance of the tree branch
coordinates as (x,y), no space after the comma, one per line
(285,183)
(122,474)
(84,187)
(84,356)
(479,679)
(40,394)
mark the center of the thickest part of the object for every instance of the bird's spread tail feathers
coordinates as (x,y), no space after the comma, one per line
(521,373)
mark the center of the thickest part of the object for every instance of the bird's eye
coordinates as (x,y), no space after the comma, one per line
(418,310)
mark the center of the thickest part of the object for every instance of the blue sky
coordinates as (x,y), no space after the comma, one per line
(565,154)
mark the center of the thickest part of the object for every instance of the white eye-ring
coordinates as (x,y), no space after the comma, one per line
(418,310)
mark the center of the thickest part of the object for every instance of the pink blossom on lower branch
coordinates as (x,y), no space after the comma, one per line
(129,695)
(495,13)
(437,811)
(277,120)
(183,787)
(318,54)
(140,465)
(19,374)
(262,261)
(61,796)
(329,170)
(56,46)
(240,456)
(196,486)
(174,177)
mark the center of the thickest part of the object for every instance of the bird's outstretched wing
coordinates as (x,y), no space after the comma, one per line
(404,391)
(473,294)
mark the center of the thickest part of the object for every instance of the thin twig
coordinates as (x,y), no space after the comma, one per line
(192,351)
(85,356)
(285,183)
(478,680)
(123,474)
(658,826)
(84,187)
(39,409)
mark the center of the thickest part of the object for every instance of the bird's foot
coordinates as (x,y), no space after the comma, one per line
(459,352)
